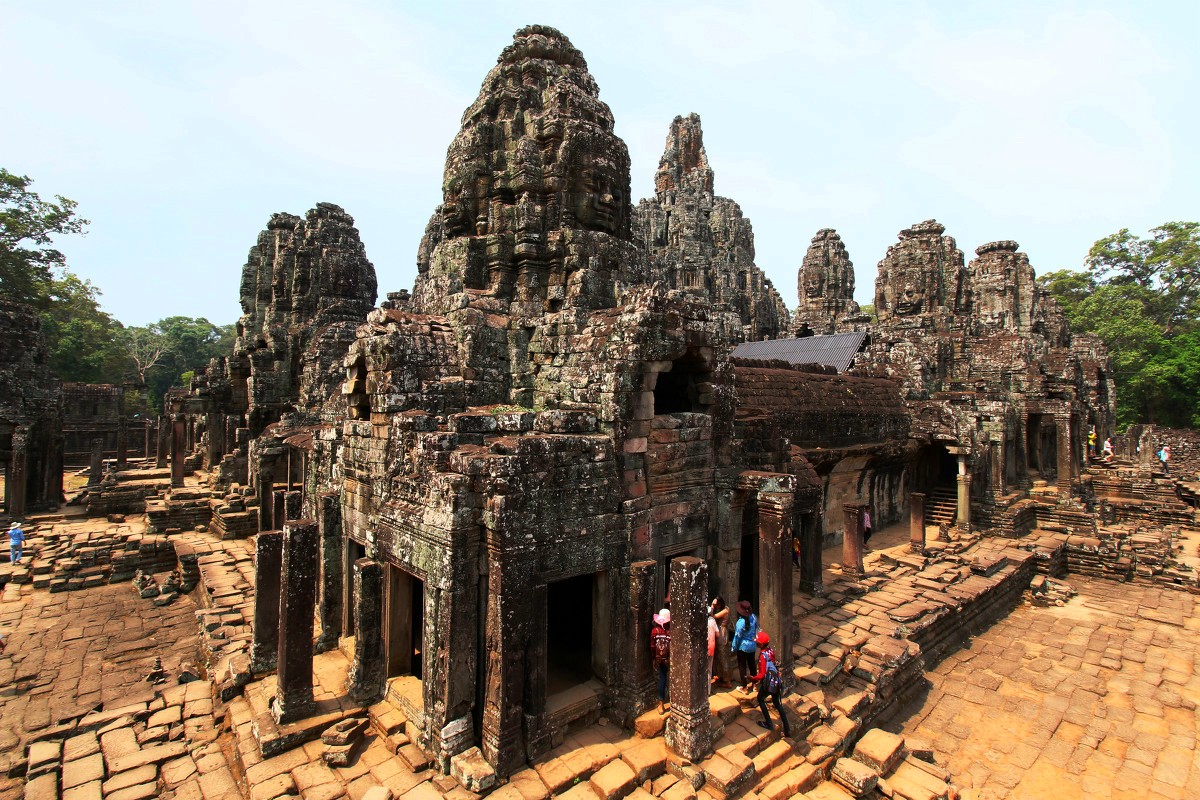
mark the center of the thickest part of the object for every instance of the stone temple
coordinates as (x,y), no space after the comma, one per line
(472,498)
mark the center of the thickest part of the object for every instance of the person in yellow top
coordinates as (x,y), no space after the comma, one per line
(1092,442)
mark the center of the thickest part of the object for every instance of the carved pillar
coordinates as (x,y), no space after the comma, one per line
(215,425)
(122,441)
(1063,430)
(775,572)
(15,489)
(268,566)
(292,505)
(146,438)
(852,538)
(688,730)
(916,522)
(179,429)
(297,602)
(329,519)
(509,667)
(638,675)
(96,463)
(811,572)
(536,719)
(964,502)
(368,678)
(279,507)
(266,496)
(162,433)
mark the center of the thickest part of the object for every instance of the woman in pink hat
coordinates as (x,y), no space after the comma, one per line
(660,648)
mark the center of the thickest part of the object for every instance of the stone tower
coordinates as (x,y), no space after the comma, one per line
(921,276)
(701,243)
(825,286)
(535,210)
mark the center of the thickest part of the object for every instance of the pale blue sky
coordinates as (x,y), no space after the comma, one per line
(180,127)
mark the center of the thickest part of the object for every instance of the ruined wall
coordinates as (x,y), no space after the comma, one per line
(700,242)
(31,444)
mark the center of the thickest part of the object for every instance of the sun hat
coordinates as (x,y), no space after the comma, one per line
(14,525)
(743,607)
(762,638)
(663,617)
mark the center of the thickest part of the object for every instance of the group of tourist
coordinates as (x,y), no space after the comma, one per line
(1106,451)
(747,643)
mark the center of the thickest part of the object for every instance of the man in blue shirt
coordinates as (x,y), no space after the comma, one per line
(16,540)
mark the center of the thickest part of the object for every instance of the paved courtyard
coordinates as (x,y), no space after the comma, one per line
(1094,699)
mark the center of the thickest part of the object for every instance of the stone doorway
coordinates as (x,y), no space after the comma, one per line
(570,625)
(1041,447)
(404,623)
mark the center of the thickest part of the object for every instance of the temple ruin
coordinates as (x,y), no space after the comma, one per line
(471,499)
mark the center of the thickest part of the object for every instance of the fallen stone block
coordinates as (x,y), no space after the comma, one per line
(857,777)
(472,771)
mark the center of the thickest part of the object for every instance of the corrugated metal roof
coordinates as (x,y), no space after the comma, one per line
(835,350)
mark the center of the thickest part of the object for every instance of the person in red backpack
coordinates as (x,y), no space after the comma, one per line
(660,649)
(770,683)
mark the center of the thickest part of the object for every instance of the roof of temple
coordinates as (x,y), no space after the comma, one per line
(835,350)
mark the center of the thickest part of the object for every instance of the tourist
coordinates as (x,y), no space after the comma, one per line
(1164,456)
(770,684)
(1092,442)
(724,665)
(866,526)
(660,647)
(16,542)
(796,551)
(1108,451)
(714,633)
(743,642)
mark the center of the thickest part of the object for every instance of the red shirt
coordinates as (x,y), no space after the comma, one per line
(763,655)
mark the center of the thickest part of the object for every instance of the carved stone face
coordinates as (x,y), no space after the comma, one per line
(814,284)
(910,301)
(595,199)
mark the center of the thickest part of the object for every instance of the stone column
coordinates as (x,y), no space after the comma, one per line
(279,507)
(812,579)
(916,522)
(215,426)
(775,572)
(329,519)
(1063,430)
(162,433)
(122,441)
(641,674)
(292,505)
(688,730)
(964,494)
(297,604)
(179,428)
(852,538)
(266,496)
(146,437)
(15,489)
(514,659)
(268,567)
(367,681)
(96,463)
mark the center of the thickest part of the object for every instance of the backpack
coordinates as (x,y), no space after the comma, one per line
(772,680)
(661,647)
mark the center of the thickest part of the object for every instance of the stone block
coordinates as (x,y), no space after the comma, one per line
(880,750)
(83,770)
(614,780)
(857,777)
(147,773)
(472,771)
(274,787)
(648,760)
(378,793)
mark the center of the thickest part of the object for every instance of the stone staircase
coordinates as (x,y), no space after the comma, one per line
(941,506)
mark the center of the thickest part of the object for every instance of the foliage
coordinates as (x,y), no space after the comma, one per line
(1142,298)
(86,343)
(28,263)
(174,348)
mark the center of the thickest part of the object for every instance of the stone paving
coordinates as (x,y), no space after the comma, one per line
(1093,699)
(70,652)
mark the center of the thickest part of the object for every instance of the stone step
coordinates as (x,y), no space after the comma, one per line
(414,757)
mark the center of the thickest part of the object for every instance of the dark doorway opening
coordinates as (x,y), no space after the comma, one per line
(935,469)
(404,623)
(748,568)
(568,633)
(678,390)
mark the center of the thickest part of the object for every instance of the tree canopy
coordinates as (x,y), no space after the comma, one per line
(1141,296)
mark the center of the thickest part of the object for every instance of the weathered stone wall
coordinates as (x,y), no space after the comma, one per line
(31,445)
(700,242)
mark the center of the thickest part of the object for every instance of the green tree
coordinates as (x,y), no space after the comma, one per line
(28,262)
(1142,298)
(181,346)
